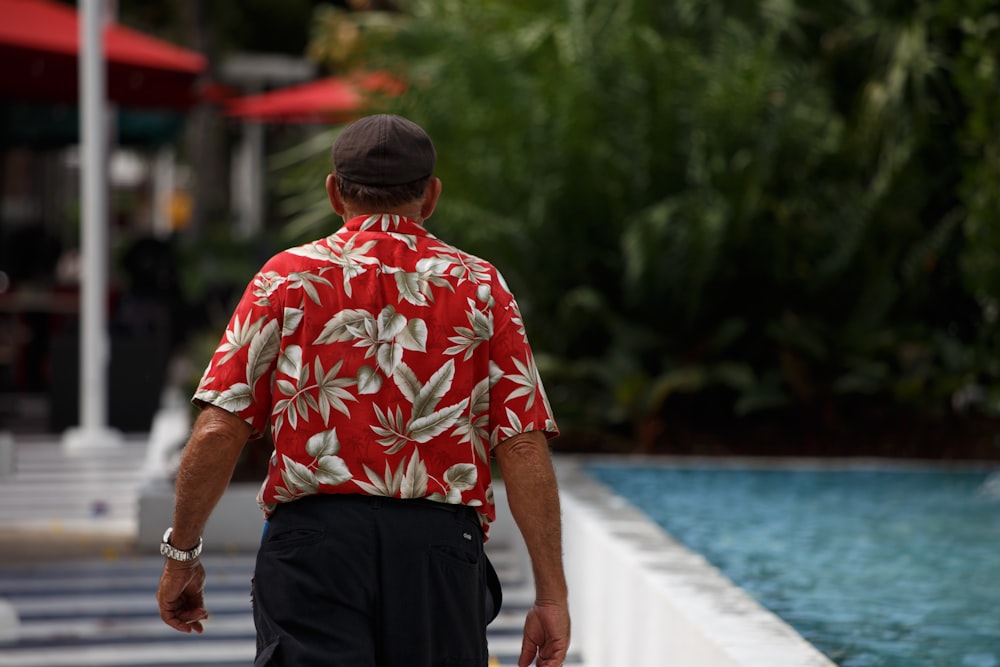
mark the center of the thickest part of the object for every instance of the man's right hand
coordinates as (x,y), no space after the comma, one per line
(546,635)
(181,599)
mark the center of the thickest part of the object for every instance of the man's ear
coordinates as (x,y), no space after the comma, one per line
(430,200)
(334,195)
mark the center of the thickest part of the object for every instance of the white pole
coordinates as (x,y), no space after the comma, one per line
(248,179)
(95,346)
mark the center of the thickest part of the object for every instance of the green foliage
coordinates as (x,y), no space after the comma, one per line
(976,67)
(298,173)
(785,204)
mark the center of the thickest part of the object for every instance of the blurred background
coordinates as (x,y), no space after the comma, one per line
(733,228)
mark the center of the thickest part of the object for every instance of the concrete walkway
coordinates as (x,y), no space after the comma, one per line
(84,595)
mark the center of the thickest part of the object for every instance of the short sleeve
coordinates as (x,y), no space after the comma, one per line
(518,403)
(238,377)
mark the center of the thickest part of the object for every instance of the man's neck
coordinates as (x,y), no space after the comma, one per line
(409,212)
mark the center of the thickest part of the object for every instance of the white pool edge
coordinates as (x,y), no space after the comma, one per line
(640,598)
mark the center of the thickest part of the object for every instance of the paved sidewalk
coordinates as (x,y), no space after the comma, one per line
(86,598)
(59,505)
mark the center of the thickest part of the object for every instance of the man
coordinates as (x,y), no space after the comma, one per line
(388,366)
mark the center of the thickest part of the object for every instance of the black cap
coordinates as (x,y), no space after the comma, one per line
(383,150)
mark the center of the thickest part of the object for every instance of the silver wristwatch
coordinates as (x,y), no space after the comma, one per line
(172,552)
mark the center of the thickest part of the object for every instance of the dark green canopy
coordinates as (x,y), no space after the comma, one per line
(53,126)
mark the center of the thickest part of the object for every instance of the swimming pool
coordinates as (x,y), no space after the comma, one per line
(876,567)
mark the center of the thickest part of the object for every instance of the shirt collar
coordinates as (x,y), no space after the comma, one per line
(386,222)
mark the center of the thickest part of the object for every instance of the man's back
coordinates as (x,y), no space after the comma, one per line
(385,361)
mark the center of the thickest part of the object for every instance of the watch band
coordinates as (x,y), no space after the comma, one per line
(172,552)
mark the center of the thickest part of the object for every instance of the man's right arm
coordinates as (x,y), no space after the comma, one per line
(209,458)
(533,496)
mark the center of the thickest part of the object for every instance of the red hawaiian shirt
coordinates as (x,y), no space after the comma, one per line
(385,362)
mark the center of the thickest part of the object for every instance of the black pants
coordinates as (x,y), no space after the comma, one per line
(359,581)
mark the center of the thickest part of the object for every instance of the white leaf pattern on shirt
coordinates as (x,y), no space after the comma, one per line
(387,485)
(303,397)
(415,479)
(239,336)
(468,339)
(263,350)
(528,379)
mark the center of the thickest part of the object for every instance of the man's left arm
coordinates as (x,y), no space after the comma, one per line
(209,459)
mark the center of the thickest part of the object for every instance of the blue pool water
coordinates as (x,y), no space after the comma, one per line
(875,568)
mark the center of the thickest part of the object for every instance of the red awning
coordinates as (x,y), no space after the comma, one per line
(332,100)
(39,43)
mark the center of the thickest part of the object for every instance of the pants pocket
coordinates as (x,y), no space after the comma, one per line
(460,607)
(290,538)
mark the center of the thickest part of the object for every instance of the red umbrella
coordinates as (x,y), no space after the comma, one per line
(39,44)
(332,100)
